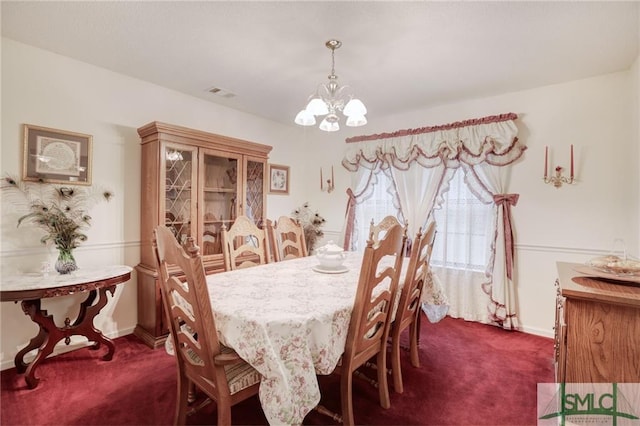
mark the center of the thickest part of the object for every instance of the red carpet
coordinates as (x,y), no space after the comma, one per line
(471,374)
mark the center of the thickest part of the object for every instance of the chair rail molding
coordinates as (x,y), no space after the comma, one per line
(563,249)
(44,250)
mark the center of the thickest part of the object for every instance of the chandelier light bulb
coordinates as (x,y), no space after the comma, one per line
(305,118)
(329,126)
(317,106)
(356,120)
(354,107)
(331,98)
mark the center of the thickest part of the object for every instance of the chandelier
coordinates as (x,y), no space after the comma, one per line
(331,98)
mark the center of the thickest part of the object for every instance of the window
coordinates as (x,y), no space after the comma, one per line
(463,223)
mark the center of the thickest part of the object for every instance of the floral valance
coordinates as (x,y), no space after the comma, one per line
(490,139)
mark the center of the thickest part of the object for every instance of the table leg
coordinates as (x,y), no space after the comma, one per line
(83,325)
(49,334)
(37,341)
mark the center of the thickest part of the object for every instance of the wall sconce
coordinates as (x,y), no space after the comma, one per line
(557,179)
(327,185)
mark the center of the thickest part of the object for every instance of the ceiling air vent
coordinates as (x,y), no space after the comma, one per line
(221,92)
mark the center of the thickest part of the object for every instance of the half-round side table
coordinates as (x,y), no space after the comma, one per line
(30,289)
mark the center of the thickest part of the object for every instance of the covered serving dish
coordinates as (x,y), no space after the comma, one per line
(331,256)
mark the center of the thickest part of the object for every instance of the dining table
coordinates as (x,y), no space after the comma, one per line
(289,320)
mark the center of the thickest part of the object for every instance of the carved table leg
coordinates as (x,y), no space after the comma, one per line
(46,344)
(84,323)
(35,342)
(43,352)
(49,334)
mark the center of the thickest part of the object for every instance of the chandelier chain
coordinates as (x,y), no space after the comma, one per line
(333,61)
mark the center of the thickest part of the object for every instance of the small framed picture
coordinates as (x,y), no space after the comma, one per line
(278,179)
(56,156)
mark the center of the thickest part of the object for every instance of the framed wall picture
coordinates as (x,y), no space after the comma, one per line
(278,179)
(56,156)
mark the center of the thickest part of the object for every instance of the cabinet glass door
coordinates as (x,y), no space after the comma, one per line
(178,191)
(220,185)
(255,195)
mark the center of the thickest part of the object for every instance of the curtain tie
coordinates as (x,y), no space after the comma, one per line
(506,201)
(350,216)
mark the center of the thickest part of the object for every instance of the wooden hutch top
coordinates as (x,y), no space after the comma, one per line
(171,133)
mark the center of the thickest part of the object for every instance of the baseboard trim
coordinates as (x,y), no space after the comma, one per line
(537,331)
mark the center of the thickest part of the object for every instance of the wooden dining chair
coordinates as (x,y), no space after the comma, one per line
(408,311)
(268,226)
(370,319)
(211,243)
(376,231)
(201,359)
(288,239)
(244,244)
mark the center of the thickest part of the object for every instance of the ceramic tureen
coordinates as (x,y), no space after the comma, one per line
(330,255)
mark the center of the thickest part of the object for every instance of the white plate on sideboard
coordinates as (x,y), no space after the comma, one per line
(596,273)
(323,270)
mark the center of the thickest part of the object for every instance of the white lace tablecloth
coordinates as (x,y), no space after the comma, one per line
(290,323)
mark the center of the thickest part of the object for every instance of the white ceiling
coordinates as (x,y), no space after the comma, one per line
(398,56)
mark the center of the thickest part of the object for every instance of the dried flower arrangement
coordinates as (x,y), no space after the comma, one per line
(312,223)
(61,211)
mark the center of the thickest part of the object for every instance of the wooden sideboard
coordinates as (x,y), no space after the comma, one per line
(597,331)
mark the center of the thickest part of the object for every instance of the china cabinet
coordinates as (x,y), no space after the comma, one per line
(193,182)
(597,332)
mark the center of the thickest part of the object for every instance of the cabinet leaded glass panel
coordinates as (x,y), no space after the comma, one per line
(255,188)
(178,192)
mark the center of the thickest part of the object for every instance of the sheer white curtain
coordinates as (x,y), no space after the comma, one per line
(417,188)
(364,182)
(380,201)
(462,248)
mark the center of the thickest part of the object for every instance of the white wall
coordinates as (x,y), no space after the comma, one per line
(573,223)
(45,89)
